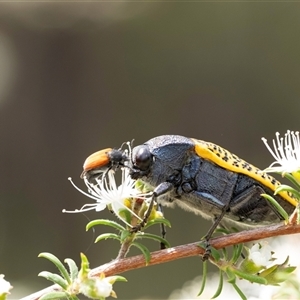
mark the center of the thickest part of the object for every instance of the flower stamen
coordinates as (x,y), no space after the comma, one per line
(107,193)
(286,153)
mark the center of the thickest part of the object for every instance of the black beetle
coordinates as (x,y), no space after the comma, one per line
(206,179)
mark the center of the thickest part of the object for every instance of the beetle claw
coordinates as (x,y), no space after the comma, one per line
(207,252)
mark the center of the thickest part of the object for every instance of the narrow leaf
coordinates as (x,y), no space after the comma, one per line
(72,267)
(291,178)
(63,271)
(115,278)
(153,237)
(144,251)
(289,269)
(158,221)
(125,215)
(224,253)
(222,230)
(104,222)
(55,278)
(237,251)
(54,296)
(125,234)
(106,236)
(204,277)
(250,277)
(231,277)
(238,290)
(278,207)
(286,188)
(220,286)
(269,271)
(215,254)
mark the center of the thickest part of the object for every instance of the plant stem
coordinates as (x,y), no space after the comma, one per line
(119,266)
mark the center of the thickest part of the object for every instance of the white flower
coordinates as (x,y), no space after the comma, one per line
(104,287)
(261,254)
(106,192)
(96,288)
(286,153)
(5,286)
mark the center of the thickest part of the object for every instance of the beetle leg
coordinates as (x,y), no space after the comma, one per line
(251,206)
(211,230)
(162,228)
(248,206)
(161,189)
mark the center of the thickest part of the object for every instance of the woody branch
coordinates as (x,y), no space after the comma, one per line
(158,257)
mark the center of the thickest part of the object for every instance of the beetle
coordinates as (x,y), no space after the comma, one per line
(201,177)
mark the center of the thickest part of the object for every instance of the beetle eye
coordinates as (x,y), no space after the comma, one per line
(143,158)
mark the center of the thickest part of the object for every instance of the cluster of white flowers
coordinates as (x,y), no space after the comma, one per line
(107,193)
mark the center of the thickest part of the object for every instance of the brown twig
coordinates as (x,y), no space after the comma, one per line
(119,266)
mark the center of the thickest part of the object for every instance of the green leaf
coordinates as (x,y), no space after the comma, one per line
(115,278)
(238,290)
(231,276)
(125,234)
(250,277)
(237,251)
(202,244)
(106,236)
(63,271)
(106,223)
(291,178)
(224,253)
(153,237)
(55,296)
(268,271)
(290,269)
(125,215)
(286,188)
(204,277)
(232,279)
(222,230)
(55,278)
(144,251)
(220,286)
(85,267)
(215,253)
(158,221)
(278,207)
(72,267)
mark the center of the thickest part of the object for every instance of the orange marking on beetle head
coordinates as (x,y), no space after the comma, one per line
(97,160)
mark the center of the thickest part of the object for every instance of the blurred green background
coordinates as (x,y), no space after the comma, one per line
(79,77)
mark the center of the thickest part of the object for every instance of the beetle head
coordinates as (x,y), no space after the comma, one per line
(142,160)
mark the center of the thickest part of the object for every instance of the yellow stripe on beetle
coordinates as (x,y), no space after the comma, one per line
(232,162)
